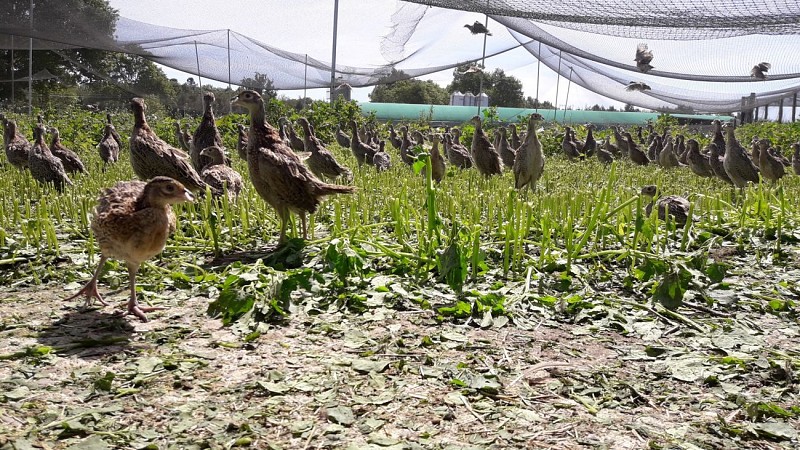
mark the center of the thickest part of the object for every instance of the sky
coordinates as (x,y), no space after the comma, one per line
(287,29)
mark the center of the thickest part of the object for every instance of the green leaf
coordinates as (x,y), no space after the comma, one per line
(670,288)
(716,271)
(453,266)
(342,415)
(104,383)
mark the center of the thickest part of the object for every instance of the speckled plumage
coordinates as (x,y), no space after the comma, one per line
(241,141)
(504,148)
(206,134)
(44,166)
(771,167)
(529,161)
(275,170)
(110,143)
(457,154)
(484,155)
(698,163)
(152,157)
(715,160)
(321,161)
(676,206)
(737,163)
(132,222)
(17,147)
(71,161)
(796,158)
(363,152)
(217,175)
(382,161)
(437,160)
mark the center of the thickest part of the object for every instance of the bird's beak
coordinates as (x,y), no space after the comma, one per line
(233,100)
(188,195)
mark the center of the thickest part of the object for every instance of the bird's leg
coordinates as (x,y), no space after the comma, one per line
(304,225)
(133,304)
(284,223)
(90,290)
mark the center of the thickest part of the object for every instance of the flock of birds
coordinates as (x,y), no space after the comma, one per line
(133,219)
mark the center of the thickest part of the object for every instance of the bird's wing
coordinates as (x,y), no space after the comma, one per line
(286,178)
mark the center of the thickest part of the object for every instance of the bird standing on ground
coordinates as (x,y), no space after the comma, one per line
(504,149)
(569,147)
(771,167)
(110,143)
(759,71)
(72,162)
(796,158)
(206,134)
(381,160)
(436,158)
(276,171)
(643,58)
(529,159)
(18,148)
(675,206)
(241,141)
(716,161)
(698,163)
(590,146)
(152,157)
(341,137)
(321,161)
(478,28)
(736,162)
(218,175)
(132,222)
(634,153)
(457,154)
(44,166)
(362,151)
(484,155)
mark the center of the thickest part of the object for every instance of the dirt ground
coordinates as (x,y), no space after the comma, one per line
(385,379)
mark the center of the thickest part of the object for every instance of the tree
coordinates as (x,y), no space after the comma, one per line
(531,102)
(260,83)
(502,89)
(408,90)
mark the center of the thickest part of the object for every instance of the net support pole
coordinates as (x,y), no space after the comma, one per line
(483,60)
(30,67)
(558,81)
(230,105)
(780,111)
(333,55)
(766,111)
(566,101)
(538,71)
(794,107)
(11,68)
(755,114)
(199,81)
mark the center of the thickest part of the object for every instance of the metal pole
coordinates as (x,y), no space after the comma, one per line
(305,80)
(11,65)
(566,101)
(333,56)
(538,69)
(558,81)
(199,81)
(483,61)
(794,107)
(780,111)
(766,111)
(230,105)
(30,67)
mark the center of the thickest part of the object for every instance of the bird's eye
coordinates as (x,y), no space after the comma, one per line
(170,188)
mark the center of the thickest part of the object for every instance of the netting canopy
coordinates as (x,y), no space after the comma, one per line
(703,50)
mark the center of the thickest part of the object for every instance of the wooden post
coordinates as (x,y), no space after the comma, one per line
(780,111)
(755,115)
(766,111)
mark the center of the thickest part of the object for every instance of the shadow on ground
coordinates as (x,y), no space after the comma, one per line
(88,333)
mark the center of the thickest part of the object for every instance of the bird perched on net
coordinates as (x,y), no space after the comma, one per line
(771,167)
(362,151)
(472,68)
(675,206)
(381,160)
(132,222)
(341,137)
(643,58)
(457,154)
(484,155)
(504,149)
(478,28)
(44,166)
(436,158)
(637,86)
(698,163)
(219,176)
(18,148)
(206,134)
(529,159)
(796,158)
(737,163)
(321,161)
(72,162)
(276,171)
(759,71)
(110,143)
(152,157)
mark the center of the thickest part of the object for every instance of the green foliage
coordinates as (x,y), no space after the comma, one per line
(502,89)
(409,91)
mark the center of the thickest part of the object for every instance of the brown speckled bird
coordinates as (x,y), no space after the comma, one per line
(634,153)
(362,151)
(152,157)
(484,155)
(715,160)
(643,58)
(217,175)
(44,166)
(241,141)
(504,148)
(321,161)
(457,154)
(796,158)
(437,160)
(17,147)
(529,160)
(382,161)
(698,163)
(132,222)
(276,172)
(737,163)
(771,167)
(206,134)
(72,162)
(676,206)
(341,137)
(110,143)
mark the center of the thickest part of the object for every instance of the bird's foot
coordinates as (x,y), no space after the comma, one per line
(90,292)
(139,311)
